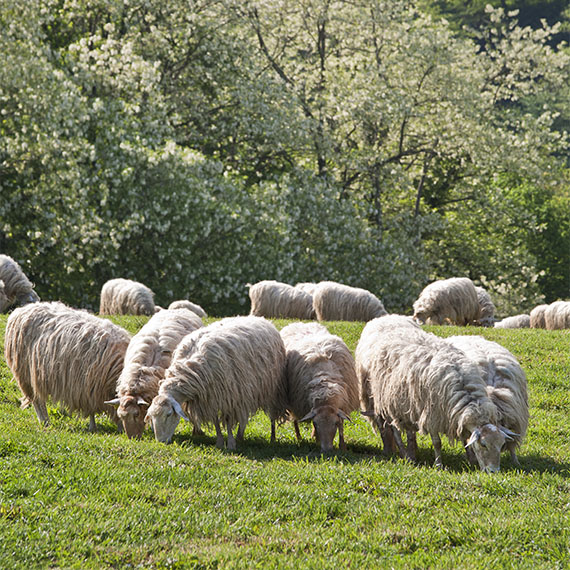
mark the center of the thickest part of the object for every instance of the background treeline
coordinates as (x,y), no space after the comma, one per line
(196,146)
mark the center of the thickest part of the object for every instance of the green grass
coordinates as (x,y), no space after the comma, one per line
(70,499)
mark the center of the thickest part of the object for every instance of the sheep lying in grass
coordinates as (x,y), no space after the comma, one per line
(225,371)
(557,316)
(419,382)
(321,381)
(337,302)
(126,297)
(272,299)
(514,322)
(448,301)
(16,288)
(506,385)
(67,355)
(147,358)
(183,304)
(537,317)
(486,317)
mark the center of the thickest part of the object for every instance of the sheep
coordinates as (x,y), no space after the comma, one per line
(486,317)
(273,299)
(307,287)
(147,358)
(537,317)
(66,354)
(183,304)
(557,315)
(337,302)
(448,301)
(419,382)
(506,385)
(225,371)
(514,322)
(17,288)
(321,381)
(126,297)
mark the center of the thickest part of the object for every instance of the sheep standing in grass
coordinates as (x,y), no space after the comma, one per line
(17,288)
(183,304)
(147,358)
(336,302)
(537,317)
(272,299)
(126,297)
(557,316)
(321,381)
(419,382)
(506,385)
(67,355)
(486,317)
(448,301)
(223,372)
(514,322)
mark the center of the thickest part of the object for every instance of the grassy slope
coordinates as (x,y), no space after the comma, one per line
(70,499)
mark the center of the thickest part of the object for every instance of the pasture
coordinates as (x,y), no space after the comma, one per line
(71,499)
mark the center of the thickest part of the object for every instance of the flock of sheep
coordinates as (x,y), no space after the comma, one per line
(402,378)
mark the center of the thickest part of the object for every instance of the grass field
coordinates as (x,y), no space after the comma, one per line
(71,499)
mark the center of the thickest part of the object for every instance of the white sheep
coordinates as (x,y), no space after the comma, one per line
(514,322)
(126,297)
(506,385)
(321,381)
(337,302)
(273,299)
(184,304)
(448,301)
(486,317)
(419,382)
(65,354)
(557,315)
(223,372)
(537,317)
(307,287)
(147,358)
(17,289)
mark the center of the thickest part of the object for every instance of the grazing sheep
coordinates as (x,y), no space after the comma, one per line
(557,316)
(514,322)
(225,371)
(190,306)
(147,358)
(66,354)
(272,299)
(321,381)
(537,317)
(17,288)
(506,384)
(126,297)
(337,302)
(448,301)
(486,317)
(419,382)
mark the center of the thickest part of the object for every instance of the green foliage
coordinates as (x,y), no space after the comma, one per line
(71,499)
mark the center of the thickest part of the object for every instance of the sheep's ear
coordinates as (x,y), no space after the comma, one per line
(508,433)
(475,436)
(142,402)
(368,413)
(113,402)
(178,409)
(309,416)
(343,416)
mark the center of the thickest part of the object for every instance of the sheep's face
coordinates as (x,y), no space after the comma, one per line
(326,421)
(487,442)
(132,415)
(163,418)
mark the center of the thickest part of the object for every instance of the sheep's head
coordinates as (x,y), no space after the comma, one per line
(487,443)
(327,420)
(164,414)
(131,412)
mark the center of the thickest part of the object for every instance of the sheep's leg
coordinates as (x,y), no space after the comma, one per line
(398,439)
(92,424)
(436,440)
(341,442)
(197,430)
(273,432)
(231,440)
(219,434)
(242,426)
(411,444)
(514,459)
(297,430)
(41,412)
(387,436)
